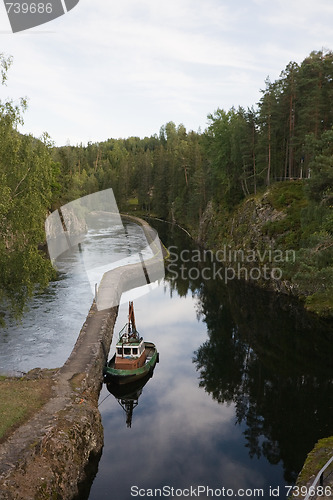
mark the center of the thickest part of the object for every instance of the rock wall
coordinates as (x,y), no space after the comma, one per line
(247,244)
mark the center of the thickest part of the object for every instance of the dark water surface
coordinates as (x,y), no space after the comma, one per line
(242,392)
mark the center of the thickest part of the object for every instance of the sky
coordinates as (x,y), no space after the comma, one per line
(115,69)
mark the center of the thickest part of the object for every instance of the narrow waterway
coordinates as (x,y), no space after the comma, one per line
(241,393)
(48,331)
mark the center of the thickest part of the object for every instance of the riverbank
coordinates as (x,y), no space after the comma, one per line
(21,398)
(316,461)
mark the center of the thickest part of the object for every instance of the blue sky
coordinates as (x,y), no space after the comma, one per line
(121,68)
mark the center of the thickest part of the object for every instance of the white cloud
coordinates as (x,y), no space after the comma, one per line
(126,68)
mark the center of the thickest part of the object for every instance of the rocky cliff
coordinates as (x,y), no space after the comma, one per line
(266,241)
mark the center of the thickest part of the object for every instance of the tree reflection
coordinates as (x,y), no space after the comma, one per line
(274,365)
(269,358)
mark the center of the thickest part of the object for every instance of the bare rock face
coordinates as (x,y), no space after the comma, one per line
(250,221)
(55,464)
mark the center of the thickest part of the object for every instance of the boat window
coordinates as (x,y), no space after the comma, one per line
(120,350)
(127,350)
(135,350)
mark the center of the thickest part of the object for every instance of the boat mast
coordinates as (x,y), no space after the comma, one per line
(128,406)
(131,319)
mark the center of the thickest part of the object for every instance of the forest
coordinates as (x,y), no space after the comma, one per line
(176,175)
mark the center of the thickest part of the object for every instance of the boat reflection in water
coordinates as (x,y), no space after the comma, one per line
(128,395)
(131,367)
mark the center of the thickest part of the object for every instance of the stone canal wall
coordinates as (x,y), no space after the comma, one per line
(46,457)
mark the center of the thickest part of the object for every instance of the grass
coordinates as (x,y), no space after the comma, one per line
(20,398)
(133,201)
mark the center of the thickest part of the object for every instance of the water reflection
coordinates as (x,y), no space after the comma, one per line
(271,359)
(243,391)
(128,395)
(279,377)
(182,436)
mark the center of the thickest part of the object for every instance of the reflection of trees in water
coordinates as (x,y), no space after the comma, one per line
(274,364)
(269,358)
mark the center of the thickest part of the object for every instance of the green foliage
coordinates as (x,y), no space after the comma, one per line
(282,195)
(289,198)
(228,153)
(27,177)
(320,184)
(177,173)
(182,175)
(321,303)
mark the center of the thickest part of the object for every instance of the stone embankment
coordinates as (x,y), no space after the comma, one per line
(316,477)
(46,457)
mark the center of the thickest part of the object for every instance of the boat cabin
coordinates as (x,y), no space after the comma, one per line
(130,352)
(130,348)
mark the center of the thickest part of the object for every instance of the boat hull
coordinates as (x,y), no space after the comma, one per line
(119,376)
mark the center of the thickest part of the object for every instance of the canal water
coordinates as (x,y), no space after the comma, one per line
(46,334)
(242,391)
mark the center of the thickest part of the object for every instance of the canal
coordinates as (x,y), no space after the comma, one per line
(242,391)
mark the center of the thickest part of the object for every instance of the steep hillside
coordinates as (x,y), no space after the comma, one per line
(280,240)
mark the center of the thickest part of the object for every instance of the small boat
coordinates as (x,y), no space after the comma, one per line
(134,358)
